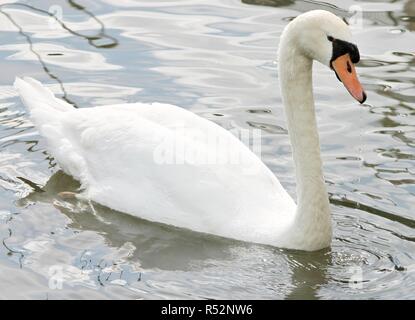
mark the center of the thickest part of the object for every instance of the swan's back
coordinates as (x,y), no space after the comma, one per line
(139,159)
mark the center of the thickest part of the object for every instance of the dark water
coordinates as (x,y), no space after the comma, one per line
(216,58)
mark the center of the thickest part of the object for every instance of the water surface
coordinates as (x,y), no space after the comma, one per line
(217,59)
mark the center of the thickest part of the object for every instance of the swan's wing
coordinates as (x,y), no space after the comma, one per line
(155,161)
(143,159)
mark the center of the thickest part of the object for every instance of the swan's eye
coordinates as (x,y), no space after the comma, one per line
(330,38)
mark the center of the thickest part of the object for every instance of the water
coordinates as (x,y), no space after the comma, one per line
(216,58)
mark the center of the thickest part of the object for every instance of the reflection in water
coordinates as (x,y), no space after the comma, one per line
(92,40)
(301,5)
(380,17)
(101,36)
(309,273)
(381,213)
(107,40)
(45,68)
(12,251)
(409,9)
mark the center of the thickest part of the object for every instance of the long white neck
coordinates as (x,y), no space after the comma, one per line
(312,227)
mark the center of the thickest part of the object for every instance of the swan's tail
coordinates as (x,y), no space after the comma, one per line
(45,109)
(37,97)
(48,114)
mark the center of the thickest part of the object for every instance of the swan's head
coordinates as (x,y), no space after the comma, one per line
(324,37)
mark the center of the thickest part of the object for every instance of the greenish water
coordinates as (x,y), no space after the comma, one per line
(216,58)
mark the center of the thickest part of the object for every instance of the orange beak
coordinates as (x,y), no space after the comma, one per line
(346,73)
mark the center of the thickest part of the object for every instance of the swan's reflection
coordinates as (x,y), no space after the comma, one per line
(309,273)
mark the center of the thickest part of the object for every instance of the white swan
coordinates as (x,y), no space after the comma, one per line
(119,152)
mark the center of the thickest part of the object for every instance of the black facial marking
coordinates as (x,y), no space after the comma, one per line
(364,98)
(337,76)
(341,47)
